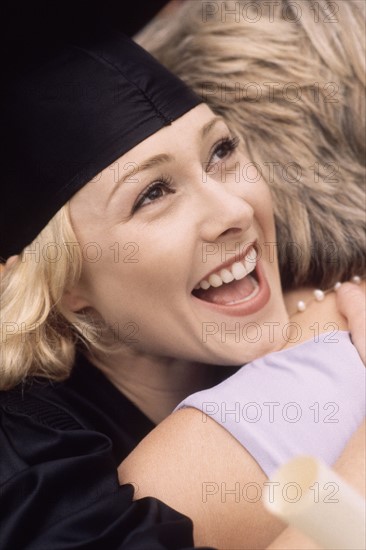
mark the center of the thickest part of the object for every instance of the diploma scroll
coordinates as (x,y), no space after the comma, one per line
(311,497)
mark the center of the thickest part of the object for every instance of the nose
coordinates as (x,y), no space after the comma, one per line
(223,212)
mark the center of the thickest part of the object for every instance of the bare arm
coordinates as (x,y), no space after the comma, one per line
(201,488)
(191,463)
(195,466)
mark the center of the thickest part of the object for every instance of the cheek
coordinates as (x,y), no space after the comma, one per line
(259,197)
(134,276)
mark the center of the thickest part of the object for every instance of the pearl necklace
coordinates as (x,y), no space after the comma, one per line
(319,295)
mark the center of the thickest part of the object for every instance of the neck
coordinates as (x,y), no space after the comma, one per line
(157,384)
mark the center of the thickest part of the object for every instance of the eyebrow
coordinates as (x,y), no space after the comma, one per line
(206,129)
(149,163)
(157,160)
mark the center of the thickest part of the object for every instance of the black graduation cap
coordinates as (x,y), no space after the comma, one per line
(71,108)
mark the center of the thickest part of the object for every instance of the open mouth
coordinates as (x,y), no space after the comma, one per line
(234,284)
(238,288)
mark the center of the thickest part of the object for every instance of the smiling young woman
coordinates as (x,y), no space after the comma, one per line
(171,225)
(97,348)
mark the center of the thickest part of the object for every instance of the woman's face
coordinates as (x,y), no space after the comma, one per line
(182,217)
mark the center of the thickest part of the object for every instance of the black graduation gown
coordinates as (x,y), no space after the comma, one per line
(60,446)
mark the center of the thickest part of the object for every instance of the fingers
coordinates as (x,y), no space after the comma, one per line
(351,301)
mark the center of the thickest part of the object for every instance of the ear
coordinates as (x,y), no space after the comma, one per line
(74,300)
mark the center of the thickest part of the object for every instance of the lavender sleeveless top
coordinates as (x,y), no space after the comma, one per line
(307,399)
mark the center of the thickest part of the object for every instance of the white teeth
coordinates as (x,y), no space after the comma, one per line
(205,285)
(215,280)
(238,270)
(253,255)
(250,261)
(226,276)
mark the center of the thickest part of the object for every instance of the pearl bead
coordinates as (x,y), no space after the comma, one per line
(319,295)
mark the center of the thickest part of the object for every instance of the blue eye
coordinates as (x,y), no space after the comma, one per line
(154,192)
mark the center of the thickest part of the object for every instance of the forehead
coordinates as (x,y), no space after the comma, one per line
(182,135)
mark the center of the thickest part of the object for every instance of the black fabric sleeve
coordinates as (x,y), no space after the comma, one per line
(59,491)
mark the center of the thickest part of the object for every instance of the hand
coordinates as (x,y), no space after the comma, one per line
(351,301)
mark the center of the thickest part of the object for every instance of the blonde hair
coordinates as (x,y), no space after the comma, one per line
(289,78)
(39,335)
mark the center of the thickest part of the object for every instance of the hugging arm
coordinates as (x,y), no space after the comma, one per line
(195,466)
(202,471)
(208,489)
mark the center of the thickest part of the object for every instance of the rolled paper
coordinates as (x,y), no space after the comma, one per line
(310,496)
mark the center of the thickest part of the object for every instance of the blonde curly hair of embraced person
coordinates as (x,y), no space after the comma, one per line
(321,214)
(289,78)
